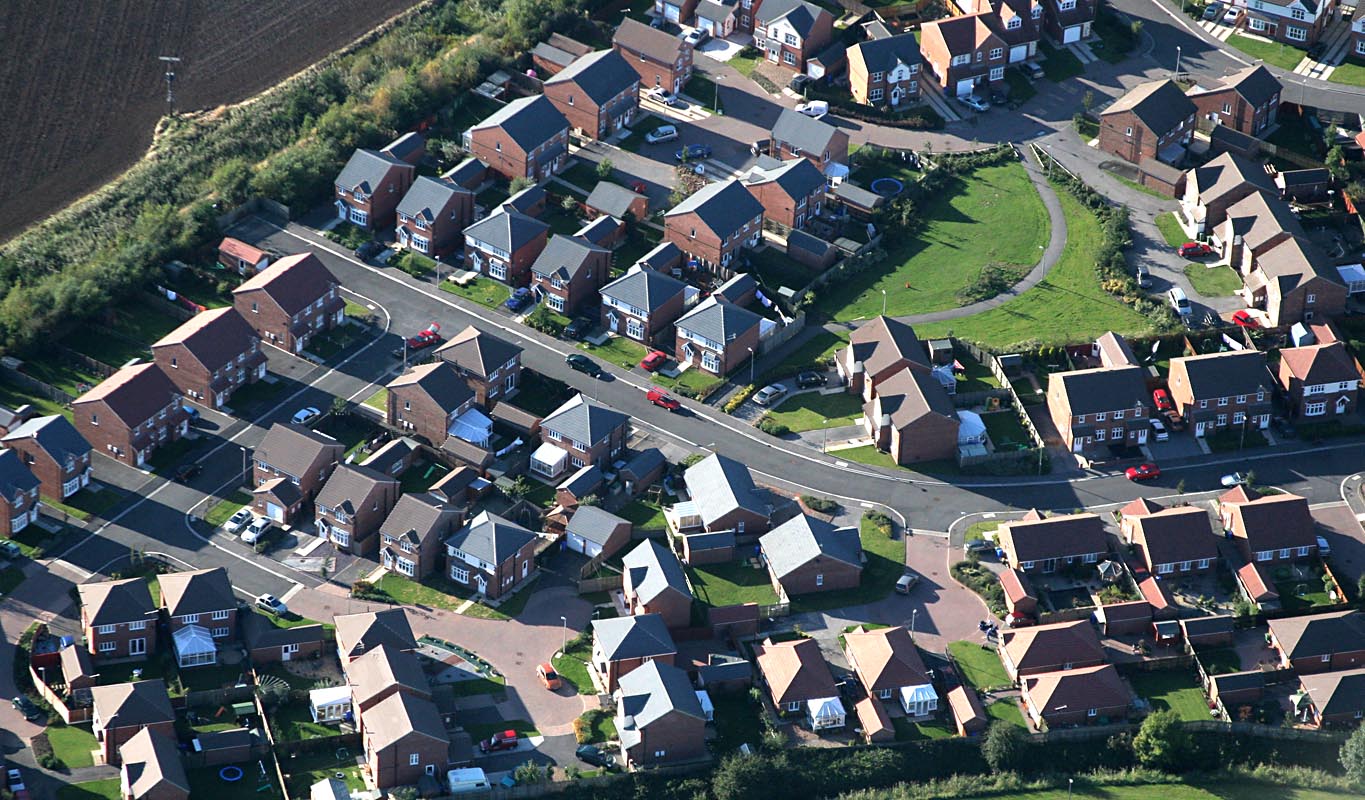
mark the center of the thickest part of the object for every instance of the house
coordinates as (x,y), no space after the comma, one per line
(568,273)
(1215,392)
(791,192)
(527,138)
(715,223)
(19,492)
(1212,189)
(369,188)
(131,413)
(1048,544)
(11,418)
(1304,185)
(1019,23)
(55,452)
(1083,696)
(599,93)
(491,366)
(202,600)
(594,532)
(121,710)
(357,634)
(411,537)
(1174,541)
(352,505)
(1321,643)
(912,418)
(659,716)
(1153,120)
(1068,21)
(301,456)
(118,619)
(491,555)
(717,336)
(653,583)
(1095,409)
(796,135)
(433,215)
(792,32)
(806,555)
(1049,648)
(885,71)
(1254,225)
(1248,100)
(291,302)
(614,200)
(643,304)
(504,245)
(724,498)
(799,682)
(427,400)
(1319,379)
(658,57)
(383,672)
(580,432)
(1270,530)
(1295,282)
(1335,699)
(405,740)
(268,644)
(240,257)
(877,350)
(1298,23)
(624,644)
(889,667)
(964,54)
(209,357)
(152,769)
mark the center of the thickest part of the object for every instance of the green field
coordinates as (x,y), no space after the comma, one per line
(813,411)
(1005,428)
(1213,281)
(1272,53)
(1167,791)
(979,666)
(993,215)
(293,722)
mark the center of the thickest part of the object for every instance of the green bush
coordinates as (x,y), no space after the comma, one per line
(739,399)
(541,320)
(881,521)
(824,505)
(772,427)
(983,582)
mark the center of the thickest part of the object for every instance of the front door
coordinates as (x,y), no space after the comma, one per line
(288,651)
(1342,405)
(1199,429)
(482,583)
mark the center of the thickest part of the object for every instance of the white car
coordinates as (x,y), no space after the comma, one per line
(975,103)
(1180,302)
(237,521)
(1159,431)
(306,415)
(1233,479)
(1231,15)
(696,36)
(255,530)
(663,96)
(272,604)
(815,109)
(770,394)
(663,133)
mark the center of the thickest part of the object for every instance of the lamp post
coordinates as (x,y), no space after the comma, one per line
(715,103)
(914,612)
(1177,62)
(1069,781)
(752,357)
(244,468)
(824,445)
(883,302)
(564,641)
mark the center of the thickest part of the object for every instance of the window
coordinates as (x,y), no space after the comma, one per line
(1257,24)
(1091,558)
(960,60)
(106,629)
(997,53)
(885,694)
(1297,13)
(1222,420)
(221,615)
(1092,712)
(1026,565)
(1203,563)
(1203,404)
(108,647)
(790,39)
(556,436)
(877,77)
(1037,12)
(1116,434)
(1314,409)
(1241,399)
(819,579)
(1303,552)
(659,753)
(635,329)
(710,362)
(140,625)
(1185,566)
(1101,417)
(794,705)
(1222,401)
(1118,414)
(739,527)
(1284,552)
(221,632)
(1099,435)
(1311,299)
(1238,417)
(1127,131)
(1326,658)
(190,619)
(788,58)
(459,574)
(1067,5)
(876,94)
(1015,23)
(1296,34)
(1165,569)
(1227,108)
(414,760)
(498,270)
(1264,555)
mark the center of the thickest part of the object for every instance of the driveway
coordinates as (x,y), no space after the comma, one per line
(1338,525)
(41,598)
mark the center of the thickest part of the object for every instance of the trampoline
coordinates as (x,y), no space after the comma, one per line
(887,187)
(231,774)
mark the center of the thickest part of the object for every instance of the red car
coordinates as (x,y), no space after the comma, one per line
(1194,250)
(662,399)
(653,361)
(1143,472)
(1244,319)
(426,338)
(639,187)
(502,740)
(1162,398)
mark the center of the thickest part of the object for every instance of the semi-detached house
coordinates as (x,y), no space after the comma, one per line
(1018,23)
(1248,100)
(504,245)
(1271,530)
(796,135)
(717,336)
(427,400)
(296,457)
(1094,409)
(55,453)
(1154,120)
(212,355)
(352,505)
(599,93)
(202,611)
(644,303)
(1046,544)
(1218,391)
(131,413)
(964,53)
(291,302)
(369,187)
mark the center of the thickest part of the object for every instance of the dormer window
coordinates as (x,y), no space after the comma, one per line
(1014,24)
(1037,12)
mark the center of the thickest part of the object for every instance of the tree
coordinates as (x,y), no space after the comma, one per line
(1003,746)
(518,184)
(339,407)
(1360,590)
(529,772)
(1088,100)
(604,168)
(519,488)
(569,203)
(1353,756)
(231,181)
(1162,742)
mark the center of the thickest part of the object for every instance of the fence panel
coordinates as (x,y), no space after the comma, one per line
(607,584)
(30,384)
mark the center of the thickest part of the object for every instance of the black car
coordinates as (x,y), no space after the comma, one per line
(185,472)
(578,328)
(592,755)
(808,379)
(800,82)
(581,363)
(368,250)
(692,152)
(26,707)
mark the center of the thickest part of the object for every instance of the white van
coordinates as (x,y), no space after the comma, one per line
(1180,302)
(463,781)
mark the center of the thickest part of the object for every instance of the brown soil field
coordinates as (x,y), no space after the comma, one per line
(82,87)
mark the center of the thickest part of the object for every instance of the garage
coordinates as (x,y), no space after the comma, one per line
(1018,53)
(965,87)
(672,13)
(1071,35)
(592,532)
(578,544)
(275,512)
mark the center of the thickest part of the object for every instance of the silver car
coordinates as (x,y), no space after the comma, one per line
(975,103)
(769,395)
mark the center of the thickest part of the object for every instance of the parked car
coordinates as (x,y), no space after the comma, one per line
(502,740)
(1179,301)
(907,582)
(770,394)
(978,546)
(1159,431)
(1194,250)
(639,187)
(974,102)
(1143,472)
(1324,549)
(653,361)
(258,528)
(590,754)
(663,133)
(192,413)
(662,95)
(520,299)
(238,521)
(548,677)
(696,37)
(662,399)
(368,250)
(186,472)
(807,380)
(1144,277)
(1232,479)
(800,82)
(581,363)
(1163,401)
(1243,319)
(273,604)
(26,707)
(1173,420)
(426,337)
(10,550)
(305,415)
(1231,15)
(1212,11)
(693,152)
(815,109)
(14,779)
(578,328)
(1032,69)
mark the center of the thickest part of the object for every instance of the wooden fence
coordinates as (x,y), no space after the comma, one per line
(68,714)
(783,334)
(31,384)
(607,584)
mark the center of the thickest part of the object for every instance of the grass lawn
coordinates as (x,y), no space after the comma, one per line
(302,771)
(1147,190)
(975,377)
(205,781)
(993,215)
(1086,129)
(572,665)
(1008,711)
(64,374)
(599,726)
(1272,53)
(618,351)
(1299,595)
(870,455)
(494,685)
(1350,72)
(1170,229)
(810,354)
(732,583)
(978,530)
(637,246)
(88,502)
(738,721)
(703,90)
(411,593)
(813,411)
(697,382)
(171,454)
(885,564)
(1176,690)
(379,400)
(510,608)
(980,666)
(644,516)
(910,731)
(1295,133)
(226,508)
(421,476)
(352,430)
(110,788)
(112,350)
(1174,791)
(1060,65)
(143,322)
(776,269)
(292,722)
(1067,306)
(1005,428)
(72,745)
(216,676)
(10,578)
(582,174)
(12,396)
(1213,281)
(484,291)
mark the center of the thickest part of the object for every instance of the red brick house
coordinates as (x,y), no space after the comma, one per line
(623,644)
(202,614)
(599,93)
(1319,379)
(724,498)
(796,135)
(55,453)
(1253,226)
(241,258)
(427,399)
(658,57)
(1220,391)
(504,245)
(412,536)
(885,71)
(491,555)
(643,304)
(122,710)
(18,494)
(1357,47)
(964,54)
(579,433)
(1050,648)
(1212,189)
(1153,120)
(352,505)
(1173,541)
(1069,21)
(799,681)
(912,418)
(1248,100)
(1335,699)
(1045,544)
(1270,530)
(1295,281)
(791,192)
(1083,696)
(659,717)
(301,456)
(490,366)
(569,272)
(210,356)
(1096,408)
(1298,23)
(1319,643)
(118,619)
(369,188)
(889,667)
(1018,23)
(654,583)
(290,302)
(405,740)
(806,555)
(357,634)
(152,769)
(527,138)
(714,224)
(717,336)
(791,32)
(433,215)
(131,413)
(877,350)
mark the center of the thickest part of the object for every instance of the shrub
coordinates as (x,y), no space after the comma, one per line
(881,521)
(772,427)
(1162,742)
(540,320)
(981,581)
(824,505)
(739,399)
(1004,747)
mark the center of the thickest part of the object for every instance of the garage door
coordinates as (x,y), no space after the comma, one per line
(274,512)
(671,12)
(1018,53)
(576,543)
(706,25)
(592,550)
(964,88)
(1072,34)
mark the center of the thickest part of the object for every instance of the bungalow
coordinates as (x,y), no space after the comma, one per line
(1047,544)
(55,452)
(599,93)
(1335,699)
(491,555)
(594,532)
(718,336)
(212,355)
(527,138)
(658,57)
(912,418)
(1216,392)
(118,619)
(357,634)
(369,187)
(1319,379)
(569,272)
(791,192)
(504,245)
(1083,696)
(799,682)
(301,456)
(1154,120)
(796,135)
(1173,541)
(889,666)
(433,215)
(1050,648)
(1269,530)
(805,555)
(624,644)
(352,505)
(240,257)
(428,400)
(132,413)
(654,583)
(411,537)
(644,303)
(714,223)
(877,350)
(291,302)
(659,717)
(152,769)
(121,710)
(491,366)
(1322,643)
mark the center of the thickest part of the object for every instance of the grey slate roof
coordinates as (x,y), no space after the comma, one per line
(366,169)
(258,632)
(477,352)
(441,382)
(640,636)
(360,633)
(530,121)
(565,257)
(428,197)
(1255,83)
(417,517)
(405,145)
(526,199)
(802,539)
(467,172)
(645,289)
(885,54)
(552,54)
(112,602)
(599,230)
(718,320)
(710,541)
(490,538)
(801,14)
(1223,374)
(507,228)
(723,207)
(644,462)
(131,705)
(1160,105)
(719,484)
(15,477)
(662,257)
(651,569)
(797,176)
(799,130)
(649,692)
(199,592)
(663,47)
(601,75)
(584,420)
(739,285)
(809,242)
(583,482)
(350,485)
(593,524)
(611,198)
(1102,389)
(714,11)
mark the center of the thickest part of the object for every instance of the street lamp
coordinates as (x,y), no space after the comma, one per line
(752,357)
(715,104)
(564,645)
(824,446)
(244,469)
(1177,62)
(1069,781)
(883,302)
(914,612)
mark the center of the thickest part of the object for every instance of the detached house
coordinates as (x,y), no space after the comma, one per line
(791,31)
(799,682)
(877,350)
(369,188)
(791,192)
(293,455)
(291,302)
(796,135)
(202,611)
(568,273)
(411,537)
(624,644)
(885,71)
(717,336)
(714,224)
(889,667)
(123,710)
(358,634)
(1082,696)
(1296,22)
(644,303)
(1173,542)
(527,138)
(598,93)
(1050,648)
(1320,643)
(1045,544)
(433,215)
(1319,379)
(912,418)
(654,583)
(723,498)
(490,366)
(405,740)
(18,494)
(131,413)
(118,619)
(427,400)
(964,53)
(1270,530)
(55,452)
(1097,408)
(1294,281)
(658,57)
(659,716)
(580,432)
(1154,120)
(152,769)
(1217,391)
(491,555)
(1212,189)
(805,555)
(352,505)
(504,244)
(212,355)
(1248,100)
